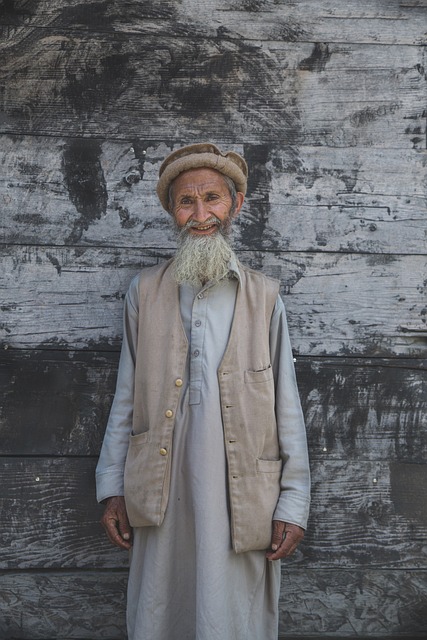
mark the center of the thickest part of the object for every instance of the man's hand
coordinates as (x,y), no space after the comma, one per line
(116,524)
(284,540)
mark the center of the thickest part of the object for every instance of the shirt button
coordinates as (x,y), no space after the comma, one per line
(163,452)
(196,353)
(200,296)
(198,323)
(178,382)
(169,413)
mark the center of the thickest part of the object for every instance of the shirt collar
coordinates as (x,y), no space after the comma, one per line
(233,267)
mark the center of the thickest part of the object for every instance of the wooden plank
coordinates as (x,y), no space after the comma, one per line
(64,606)
(309,198)
(338,304)
(57,403)
(89,307)
(119,84)
(387,604)
(356,291)
(409,4)
(313,604)
(50,516)
(356,21)
(360,518)
(364,409)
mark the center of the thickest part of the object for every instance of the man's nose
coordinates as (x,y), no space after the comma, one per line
(200,211)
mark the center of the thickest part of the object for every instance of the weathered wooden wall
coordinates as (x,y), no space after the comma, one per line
(327,101)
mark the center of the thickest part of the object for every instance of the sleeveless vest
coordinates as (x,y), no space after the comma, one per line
(246,387)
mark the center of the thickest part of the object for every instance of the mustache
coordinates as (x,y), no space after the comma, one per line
(193,223)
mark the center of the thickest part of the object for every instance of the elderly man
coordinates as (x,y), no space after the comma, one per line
(204,467)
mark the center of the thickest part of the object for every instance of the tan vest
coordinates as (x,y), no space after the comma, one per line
(246,386)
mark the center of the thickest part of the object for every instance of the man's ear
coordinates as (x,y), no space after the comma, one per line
(240,198)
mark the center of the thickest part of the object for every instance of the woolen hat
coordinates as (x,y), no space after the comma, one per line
(196,156)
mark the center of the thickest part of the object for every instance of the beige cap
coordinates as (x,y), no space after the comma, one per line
(196,156)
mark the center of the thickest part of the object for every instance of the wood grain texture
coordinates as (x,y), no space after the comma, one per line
(391,22)
(359,519)
(360,410)
(364,515)
(199,84)
(299,199)
(56,403)
(50,516)
(338,304)
(316,604)
(341,603)
(62,606)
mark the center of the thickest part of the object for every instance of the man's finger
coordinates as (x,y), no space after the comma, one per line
(116,523)
(111,526)
(277,534)
(291,536)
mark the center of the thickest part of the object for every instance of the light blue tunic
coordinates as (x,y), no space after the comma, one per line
(186,582)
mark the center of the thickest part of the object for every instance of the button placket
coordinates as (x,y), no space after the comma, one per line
(198,323)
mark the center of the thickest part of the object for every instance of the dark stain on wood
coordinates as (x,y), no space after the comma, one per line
(255,224)
(318,59)
(218,79)
(369,114)
(408,490)
(56,402)
(95,15)
(16,13)
(106,14)
(367,408)
(251,6)
(99,82)
(85,181)
(192,79)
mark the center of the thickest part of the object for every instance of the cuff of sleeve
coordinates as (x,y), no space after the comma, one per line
(109,484)
(293,508)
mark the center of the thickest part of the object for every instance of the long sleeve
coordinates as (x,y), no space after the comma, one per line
(294,501)
(110,468)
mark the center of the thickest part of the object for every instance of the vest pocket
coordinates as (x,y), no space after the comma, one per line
(262,375)
(268,466)
(138,438)
(144,481)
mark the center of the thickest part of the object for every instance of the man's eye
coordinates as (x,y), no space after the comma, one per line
(212,196)
(185,201)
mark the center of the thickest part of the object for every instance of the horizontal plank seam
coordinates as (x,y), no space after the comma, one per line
(392,359)
(164,252)
(246,141)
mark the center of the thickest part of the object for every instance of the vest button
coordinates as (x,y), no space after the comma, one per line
(163,452)
(178,382)
(169,413)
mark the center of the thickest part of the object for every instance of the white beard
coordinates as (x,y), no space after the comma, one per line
(200,259)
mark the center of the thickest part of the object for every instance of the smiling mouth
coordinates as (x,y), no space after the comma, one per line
(204,227)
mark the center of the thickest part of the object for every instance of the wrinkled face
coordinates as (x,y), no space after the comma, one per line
(201,197)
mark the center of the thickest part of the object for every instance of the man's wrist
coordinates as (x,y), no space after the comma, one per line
(106,500)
